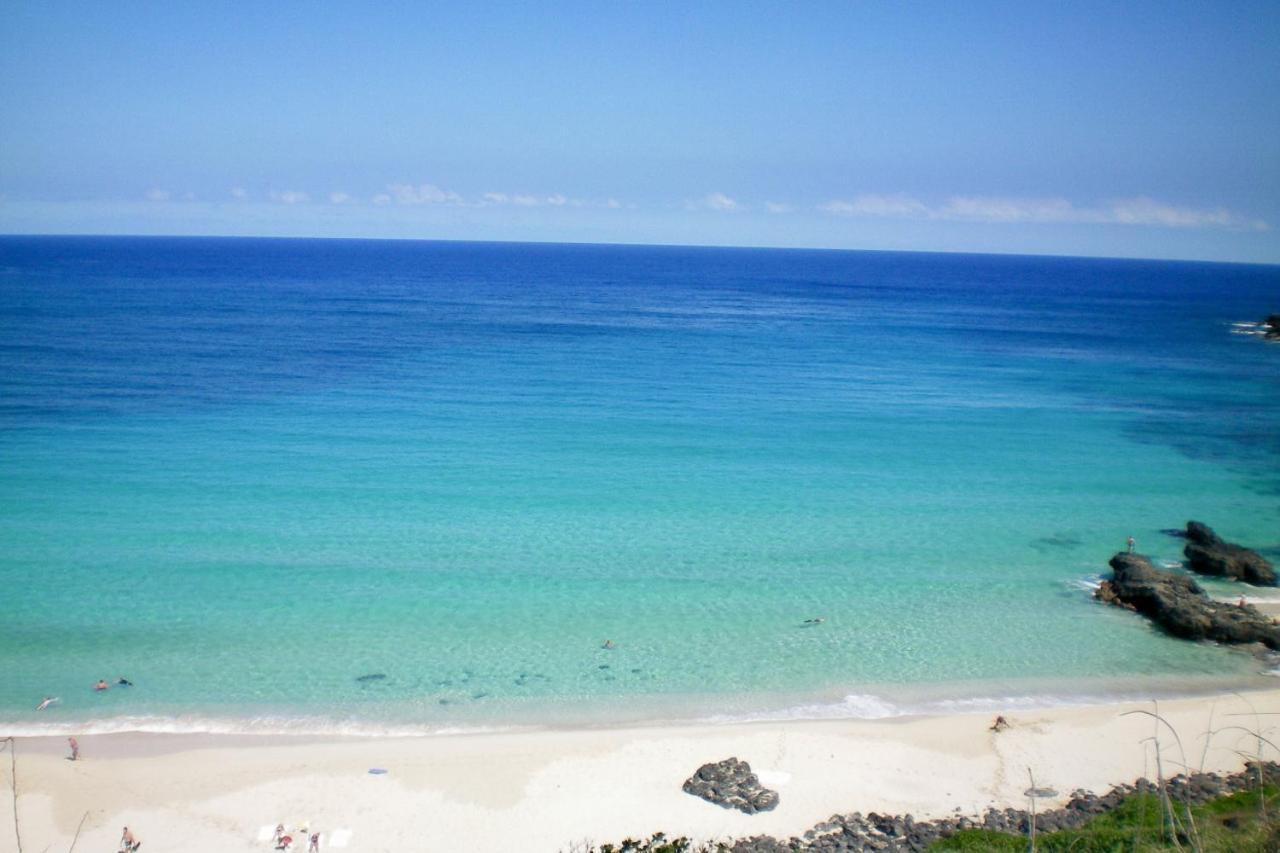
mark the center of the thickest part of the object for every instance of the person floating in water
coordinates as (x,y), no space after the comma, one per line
(817,620)
(124,682)
(46,702)
(101,685)
(1000,724)
(608,644)
(1131,544)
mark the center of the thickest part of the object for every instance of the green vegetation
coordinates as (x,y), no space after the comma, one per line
(1235,823)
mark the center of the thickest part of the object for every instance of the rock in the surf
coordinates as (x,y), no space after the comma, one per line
(1177,603)
(730,784)
(1207,554)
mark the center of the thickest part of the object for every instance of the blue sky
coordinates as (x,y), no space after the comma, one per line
(1132,129)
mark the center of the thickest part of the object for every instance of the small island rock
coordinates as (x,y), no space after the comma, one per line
(1181,607)
(1207,554)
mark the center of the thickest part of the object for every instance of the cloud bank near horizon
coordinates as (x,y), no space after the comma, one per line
(977,209)
(1141,210)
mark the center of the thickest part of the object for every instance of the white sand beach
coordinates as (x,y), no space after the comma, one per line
(546,790)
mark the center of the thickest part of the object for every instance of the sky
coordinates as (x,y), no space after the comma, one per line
(1128,129)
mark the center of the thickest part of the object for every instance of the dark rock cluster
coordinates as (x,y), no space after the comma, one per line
(1177,603)
(1207,554)
(1272,324)
(899,834)
(731,785)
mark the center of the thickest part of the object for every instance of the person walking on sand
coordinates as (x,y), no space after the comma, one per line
(127,842)
(75,748)
(314,846)
(1132,544)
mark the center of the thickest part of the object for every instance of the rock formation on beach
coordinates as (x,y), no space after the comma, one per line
(730,784)
(1272,324)
(1207,554)
(1181,607)
(855,833)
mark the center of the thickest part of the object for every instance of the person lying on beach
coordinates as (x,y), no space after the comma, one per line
(284,842)
(46,702)
(1000,724)
(101,685)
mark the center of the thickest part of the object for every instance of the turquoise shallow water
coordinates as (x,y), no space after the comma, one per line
(246,473)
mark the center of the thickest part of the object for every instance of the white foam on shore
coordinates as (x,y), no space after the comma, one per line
(862,706)
(266,725)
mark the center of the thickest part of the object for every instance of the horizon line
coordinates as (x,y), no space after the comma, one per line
(1068,256)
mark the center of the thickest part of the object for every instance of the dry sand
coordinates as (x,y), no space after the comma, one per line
(546,790)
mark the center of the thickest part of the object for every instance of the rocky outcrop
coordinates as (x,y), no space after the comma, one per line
(856,833)
(1207,554)
(1272,325)
(731,785)
(1178,604)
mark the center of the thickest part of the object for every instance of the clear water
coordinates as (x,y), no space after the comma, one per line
(244,473)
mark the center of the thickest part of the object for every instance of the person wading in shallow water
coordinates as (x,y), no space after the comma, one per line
(1132,544)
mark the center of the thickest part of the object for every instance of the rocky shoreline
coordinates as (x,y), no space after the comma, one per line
(902,833)
(1177,604)
(1180,606)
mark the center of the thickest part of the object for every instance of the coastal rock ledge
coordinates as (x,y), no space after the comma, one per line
(1181,607)
(1207,554)
(730,784)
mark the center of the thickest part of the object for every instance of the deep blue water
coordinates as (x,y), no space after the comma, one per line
(246,472)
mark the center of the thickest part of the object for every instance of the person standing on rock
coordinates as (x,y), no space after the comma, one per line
(1132,544)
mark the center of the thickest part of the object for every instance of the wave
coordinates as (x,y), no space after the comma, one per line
(865,706)
(265,725)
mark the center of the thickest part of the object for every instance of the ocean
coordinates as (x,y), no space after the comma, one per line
(376,486)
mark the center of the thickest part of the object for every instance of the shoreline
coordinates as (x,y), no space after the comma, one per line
(549,788)
(870,702)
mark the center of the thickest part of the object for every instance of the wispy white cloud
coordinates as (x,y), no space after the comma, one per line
(340,198)
(239,193)
(996,209)
(419,194)
(716,201)
(290,197)
(778,207)
(884,206)
(158,195)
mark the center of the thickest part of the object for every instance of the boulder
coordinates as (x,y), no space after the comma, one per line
(1272,324)
(1178,604)
(1207,554)
(730,784)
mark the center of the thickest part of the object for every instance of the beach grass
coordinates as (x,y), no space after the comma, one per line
(1235,822)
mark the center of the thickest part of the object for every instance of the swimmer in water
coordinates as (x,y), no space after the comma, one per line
(817,620)
(124,682)
(608,644)
(46,702)
(101,685)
